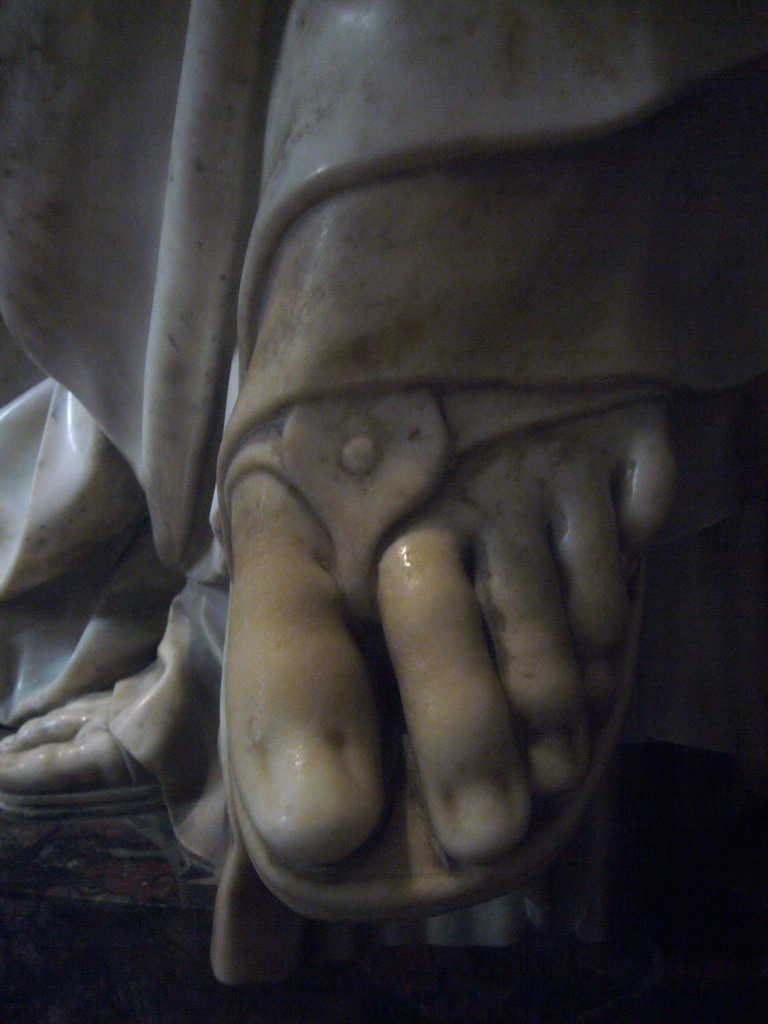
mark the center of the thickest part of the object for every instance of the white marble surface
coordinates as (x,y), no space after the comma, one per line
(442,394)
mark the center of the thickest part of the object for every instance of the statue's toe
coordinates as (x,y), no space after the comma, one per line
(471,776)
(303,747)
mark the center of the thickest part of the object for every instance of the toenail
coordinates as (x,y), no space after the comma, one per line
(359,455)
(555,764)
(486,821)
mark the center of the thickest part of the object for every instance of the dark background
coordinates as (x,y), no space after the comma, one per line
(99,922)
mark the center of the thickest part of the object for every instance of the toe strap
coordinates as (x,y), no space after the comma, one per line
(361,464)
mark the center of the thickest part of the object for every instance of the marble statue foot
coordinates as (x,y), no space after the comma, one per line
(63,754)
(500,569)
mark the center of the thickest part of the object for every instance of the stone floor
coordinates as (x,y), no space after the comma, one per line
(101,920)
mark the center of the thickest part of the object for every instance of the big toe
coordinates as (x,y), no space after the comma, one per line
(312,799)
